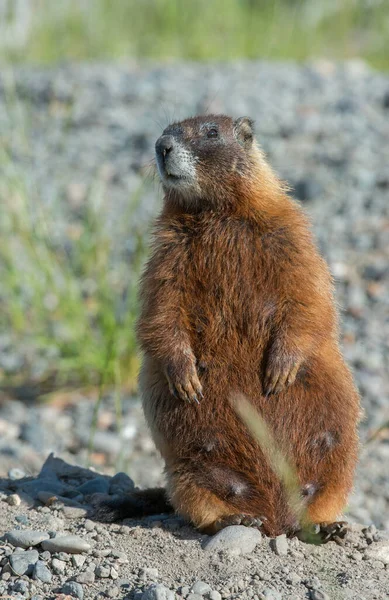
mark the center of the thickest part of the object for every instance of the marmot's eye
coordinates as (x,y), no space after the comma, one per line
(212,133)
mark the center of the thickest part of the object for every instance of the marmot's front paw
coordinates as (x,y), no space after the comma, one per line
(183,380)
(281,371)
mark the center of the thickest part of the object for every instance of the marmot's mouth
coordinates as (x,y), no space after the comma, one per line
(172,176)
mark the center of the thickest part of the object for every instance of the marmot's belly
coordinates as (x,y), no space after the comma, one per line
(308,419)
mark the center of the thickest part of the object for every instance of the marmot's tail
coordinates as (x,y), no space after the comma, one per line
(139,503)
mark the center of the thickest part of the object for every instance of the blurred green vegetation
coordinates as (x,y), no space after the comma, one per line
(202,30)
(68,296)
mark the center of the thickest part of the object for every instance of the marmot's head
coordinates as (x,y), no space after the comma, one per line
(206,158)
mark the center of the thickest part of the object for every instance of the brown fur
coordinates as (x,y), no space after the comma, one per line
(236,299)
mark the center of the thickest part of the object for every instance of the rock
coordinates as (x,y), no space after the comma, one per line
(158,592)
(102,571)
(58,566)
(26,538)
(57,467)
(78,561)
(201,588)
(21,586)
(280,545)
(58,501)
(74,589)
(113,592)
(318,595)
(22,562)
(194,597)
(15,474)
(74,512)
(214,595)
(270,594)
(66,543)
(378,551)
(99,485)
(13,500)
(236,539)
(22,519)
(121,482)
(89,525)
(293,579)
(148,573)
(42,485)
(42,572)
(86,577)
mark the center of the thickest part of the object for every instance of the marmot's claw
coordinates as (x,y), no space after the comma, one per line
(182,378)
(334,532)
(189,389)
(279,375)
(238,519)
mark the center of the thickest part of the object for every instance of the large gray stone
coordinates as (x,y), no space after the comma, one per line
(25,538)
(22,562)
(236,539)
(74,589)
(66,543)
(42,572)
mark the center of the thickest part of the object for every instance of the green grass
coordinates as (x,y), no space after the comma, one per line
(68,302)
(204,30)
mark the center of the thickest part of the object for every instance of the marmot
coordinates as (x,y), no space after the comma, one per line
(236,299)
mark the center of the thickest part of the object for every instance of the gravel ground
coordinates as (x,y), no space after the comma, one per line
(325,128)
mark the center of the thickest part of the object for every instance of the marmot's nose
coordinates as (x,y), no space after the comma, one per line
(164,145)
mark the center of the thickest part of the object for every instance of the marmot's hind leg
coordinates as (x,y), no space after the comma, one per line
(217,497)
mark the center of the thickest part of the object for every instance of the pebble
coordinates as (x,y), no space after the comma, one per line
(318,595)
(201,588)
(42,572)
(280,545)
(113,592)
(293,579)
(15,474)
(78,560)
(89,525)
(86,577)
(158,592)
(21,586)
(74,512)
(194,597)
(26,538)
(13,500)
(74,589)
(236,540)
(270,594)
(214,595)
(22,562)
(102,571)
(66,543)
(148,573)
(58,566)
(378,551)
(113,573)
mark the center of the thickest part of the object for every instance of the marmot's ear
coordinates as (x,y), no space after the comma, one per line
(244,131)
